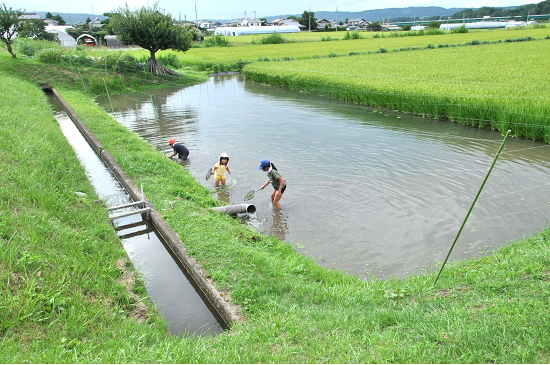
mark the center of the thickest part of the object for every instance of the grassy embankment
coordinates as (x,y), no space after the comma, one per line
(61,303)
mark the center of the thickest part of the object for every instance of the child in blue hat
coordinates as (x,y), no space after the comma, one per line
(275,179)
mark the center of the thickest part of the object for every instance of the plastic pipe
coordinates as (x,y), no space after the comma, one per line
(236,209)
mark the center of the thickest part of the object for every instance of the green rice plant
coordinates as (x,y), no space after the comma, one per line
(501,94)
(203,58)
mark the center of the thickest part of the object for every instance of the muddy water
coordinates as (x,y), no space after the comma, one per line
(372,193)
(165,281)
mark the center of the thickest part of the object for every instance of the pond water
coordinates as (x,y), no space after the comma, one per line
(370,192)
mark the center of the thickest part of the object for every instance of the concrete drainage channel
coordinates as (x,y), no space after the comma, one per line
(172,279)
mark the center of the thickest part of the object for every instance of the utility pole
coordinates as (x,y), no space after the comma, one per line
(336,17)
(196,18)
(309,16)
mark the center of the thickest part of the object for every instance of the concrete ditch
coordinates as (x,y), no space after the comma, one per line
(225,311)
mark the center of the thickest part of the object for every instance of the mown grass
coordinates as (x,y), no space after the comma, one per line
(483,85)
(58,245)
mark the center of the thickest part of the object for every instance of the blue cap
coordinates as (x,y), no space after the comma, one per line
(263,163)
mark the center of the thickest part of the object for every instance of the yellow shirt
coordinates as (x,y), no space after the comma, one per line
(219,172)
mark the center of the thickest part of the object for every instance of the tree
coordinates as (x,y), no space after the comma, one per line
(9,25)
(374,26)
(153,30)
(308,20)
(433,25)
(59,19)
(35,29)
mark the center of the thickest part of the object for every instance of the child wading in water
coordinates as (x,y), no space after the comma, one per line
(275,178)
(220,168)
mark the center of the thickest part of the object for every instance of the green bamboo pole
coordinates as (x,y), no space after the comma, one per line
(156,120)
(473,203)
(109,96)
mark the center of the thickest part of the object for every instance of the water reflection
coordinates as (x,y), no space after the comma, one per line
(373,192)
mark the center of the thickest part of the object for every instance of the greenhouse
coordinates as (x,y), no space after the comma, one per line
(474,25)
(235,31)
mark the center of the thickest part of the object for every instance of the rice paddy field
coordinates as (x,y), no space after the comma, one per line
(498,85)
(305,45)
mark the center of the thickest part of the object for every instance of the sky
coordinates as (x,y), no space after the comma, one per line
(220,9)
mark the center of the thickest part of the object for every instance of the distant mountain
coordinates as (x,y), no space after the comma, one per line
(70,18)
(417,12)
(389,13)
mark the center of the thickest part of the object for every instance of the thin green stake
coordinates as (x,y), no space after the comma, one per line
(109,96)
(473,203)
(156,119)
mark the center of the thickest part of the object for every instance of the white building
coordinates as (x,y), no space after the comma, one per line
(236,31)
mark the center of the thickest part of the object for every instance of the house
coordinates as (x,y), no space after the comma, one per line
(51,22)
(391,27)
(356,23)
(96,23)
(251,22)
(292,22)
(206,24)
(322,23)
(233,23)
(29,16)
(278,21)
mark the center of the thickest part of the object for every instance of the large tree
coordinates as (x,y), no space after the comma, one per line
(35,29)
(9,25)
(153,30)
(308,20)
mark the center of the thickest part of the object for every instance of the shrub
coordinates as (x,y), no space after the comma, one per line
(461,29)
(49,55)
(216,41)
(170,60)
(353,35)
(274,38)
(76,58)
